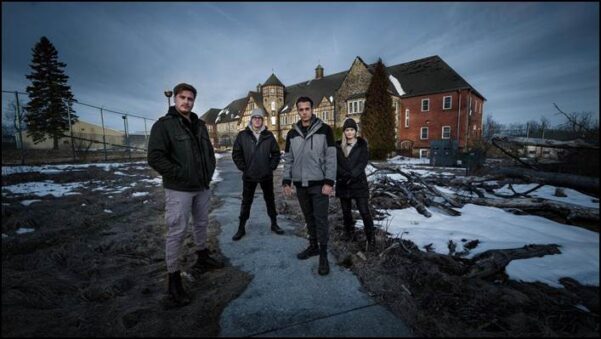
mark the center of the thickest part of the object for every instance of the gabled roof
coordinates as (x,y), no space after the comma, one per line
(258,98)
(232,112)
(315,89)
(418,77)
(273,80)
(428,75)
(210,115)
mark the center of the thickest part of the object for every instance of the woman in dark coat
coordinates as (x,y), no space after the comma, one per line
(351,181)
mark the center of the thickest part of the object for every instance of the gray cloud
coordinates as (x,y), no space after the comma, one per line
(521,56)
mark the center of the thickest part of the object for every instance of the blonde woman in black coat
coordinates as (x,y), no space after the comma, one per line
(351,181)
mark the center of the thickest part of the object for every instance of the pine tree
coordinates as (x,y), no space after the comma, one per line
(49,95)
(377,120)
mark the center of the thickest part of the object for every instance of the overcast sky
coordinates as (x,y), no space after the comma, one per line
(522,57)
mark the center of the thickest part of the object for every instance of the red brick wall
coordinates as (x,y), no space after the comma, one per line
(436,118)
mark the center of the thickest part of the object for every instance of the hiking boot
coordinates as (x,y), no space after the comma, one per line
(176,289)
(310,251)
(276,229)
(204,262)
(241,232)
(324,266)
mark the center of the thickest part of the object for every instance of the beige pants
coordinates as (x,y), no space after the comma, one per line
(178,207)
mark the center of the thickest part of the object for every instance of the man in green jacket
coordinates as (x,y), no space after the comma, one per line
(180,150)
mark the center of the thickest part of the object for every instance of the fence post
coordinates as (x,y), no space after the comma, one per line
(145,133)
(126,135)
(103,134)
(18,121)
(71,130)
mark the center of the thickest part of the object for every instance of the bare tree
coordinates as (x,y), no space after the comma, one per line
(580,125)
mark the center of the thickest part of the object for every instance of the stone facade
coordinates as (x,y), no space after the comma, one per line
(454,109)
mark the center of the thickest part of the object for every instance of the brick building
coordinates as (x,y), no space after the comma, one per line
(430,100)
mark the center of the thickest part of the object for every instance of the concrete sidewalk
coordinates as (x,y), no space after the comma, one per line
(286,296)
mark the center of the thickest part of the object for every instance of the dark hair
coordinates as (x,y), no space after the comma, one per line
(184,87)
(304,99)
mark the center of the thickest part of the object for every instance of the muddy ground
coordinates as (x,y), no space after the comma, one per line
(88,272)
(435,301)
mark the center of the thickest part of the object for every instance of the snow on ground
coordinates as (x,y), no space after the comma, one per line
(24,230)
(29,202)
(50,169)
(548,192)
(498,229)
(216,176)
(218,156)
(139,194)
(42,188)
(401,160)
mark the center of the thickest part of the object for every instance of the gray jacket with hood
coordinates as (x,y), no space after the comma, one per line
(310,155)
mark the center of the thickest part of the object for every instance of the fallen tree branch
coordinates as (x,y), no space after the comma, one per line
(569,211)
(492,262)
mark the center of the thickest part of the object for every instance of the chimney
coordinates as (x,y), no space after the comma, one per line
(318,72)
(259,87)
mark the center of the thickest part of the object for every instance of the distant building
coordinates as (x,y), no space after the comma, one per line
(431,102)
(209,118)
(83,130)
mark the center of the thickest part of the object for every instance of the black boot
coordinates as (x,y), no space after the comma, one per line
(204,262)
(241,232)
(370,240)
(310,251)
(275,228)
(176,289)
(324,266)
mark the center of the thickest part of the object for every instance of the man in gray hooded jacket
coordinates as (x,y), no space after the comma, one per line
(310,163)
(257,154)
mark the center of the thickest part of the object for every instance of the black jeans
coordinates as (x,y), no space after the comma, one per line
(363,207)
(315,206)
(248,194)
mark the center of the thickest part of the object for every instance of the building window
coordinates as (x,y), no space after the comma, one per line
(423,153)
(356,106)
(273,105)
(272,90)
(325,115)
(407,118)
(425,105)
(424,133)
(446,132)
(446,102)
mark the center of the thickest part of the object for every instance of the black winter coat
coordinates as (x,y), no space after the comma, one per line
(351,181)
(256,160)
(182,153)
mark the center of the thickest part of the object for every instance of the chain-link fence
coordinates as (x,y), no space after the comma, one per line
(100,134)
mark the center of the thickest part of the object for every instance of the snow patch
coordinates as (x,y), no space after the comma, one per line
(24,230)
(29,202)
(397,84)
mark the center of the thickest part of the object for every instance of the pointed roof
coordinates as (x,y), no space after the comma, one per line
(428,75)
(210,115)
(232,112)
(273,80)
